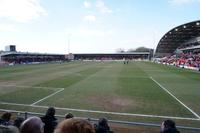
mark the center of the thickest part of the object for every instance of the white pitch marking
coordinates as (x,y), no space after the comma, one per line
(23,86)
(47,97)
(176,98)
(104,112)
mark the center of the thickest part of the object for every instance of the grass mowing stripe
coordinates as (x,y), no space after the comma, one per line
(176,98)
(49,74)
(70,78)
(16,74)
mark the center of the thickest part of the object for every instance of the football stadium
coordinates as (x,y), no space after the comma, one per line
(134,91)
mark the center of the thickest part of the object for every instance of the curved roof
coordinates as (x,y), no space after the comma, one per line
(177,36)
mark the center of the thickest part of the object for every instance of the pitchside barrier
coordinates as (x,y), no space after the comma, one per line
(25,115)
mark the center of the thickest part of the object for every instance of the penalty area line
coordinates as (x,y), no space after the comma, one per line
(37,87)
(25,86)
(47,97)
(102,112)
(175,98)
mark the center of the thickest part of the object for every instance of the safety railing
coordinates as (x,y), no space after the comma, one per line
(25,115)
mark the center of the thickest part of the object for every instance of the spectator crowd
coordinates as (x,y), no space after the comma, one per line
(188,60)
(49,124)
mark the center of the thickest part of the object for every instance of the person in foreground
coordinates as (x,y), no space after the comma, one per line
(168,126)
(49,120)
(74,125)
(32,125)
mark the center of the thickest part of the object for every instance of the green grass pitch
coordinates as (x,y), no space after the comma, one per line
(102,86)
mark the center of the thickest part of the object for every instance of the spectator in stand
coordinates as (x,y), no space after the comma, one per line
(68,116)
(183,60)
(5,119)
(74,125)
(49,120)
(168,126)
(32,125)
(102,126)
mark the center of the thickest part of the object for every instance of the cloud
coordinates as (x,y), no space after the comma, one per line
(7,28)
(102,7)
(21,10)
(181,2)
(90,18)
(87,4)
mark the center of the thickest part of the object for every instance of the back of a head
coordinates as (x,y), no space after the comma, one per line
(51,111)
(74,125)
(69,115)
(103,121)
(32,125)
(169,124)
(6,116)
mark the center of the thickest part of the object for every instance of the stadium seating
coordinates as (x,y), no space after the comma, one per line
(188,60)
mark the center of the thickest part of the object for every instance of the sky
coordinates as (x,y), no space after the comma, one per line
(90,26)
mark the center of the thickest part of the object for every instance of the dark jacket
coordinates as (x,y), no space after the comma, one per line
(5,122)
(50,123)
(102,129)
(170,130)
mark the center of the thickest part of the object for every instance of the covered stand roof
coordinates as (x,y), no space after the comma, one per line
(176,37)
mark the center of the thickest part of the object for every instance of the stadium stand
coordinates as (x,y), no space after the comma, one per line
(189,61)
(181,46)
(22,57)
(114,56)
(177,37)
(12,58)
